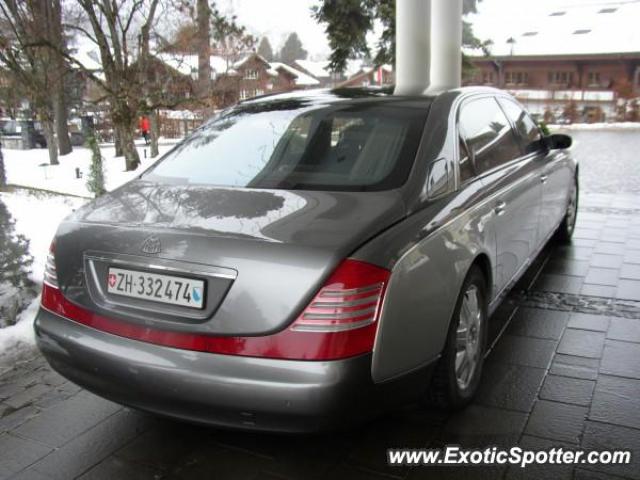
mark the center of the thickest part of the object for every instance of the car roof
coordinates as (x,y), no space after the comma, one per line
(385,95)
(329,96)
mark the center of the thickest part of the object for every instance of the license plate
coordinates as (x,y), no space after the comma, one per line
(186,292)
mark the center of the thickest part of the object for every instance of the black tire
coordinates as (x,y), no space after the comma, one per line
(445,391)
(568,225)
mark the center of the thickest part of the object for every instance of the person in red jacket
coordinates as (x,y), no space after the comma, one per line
(144,128)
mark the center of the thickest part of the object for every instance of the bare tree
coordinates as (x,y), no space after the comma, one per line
(203,17)
(112,26)
(25,54)
(54,33)
(149,80)
(208,30)
(230,38)
(3,174)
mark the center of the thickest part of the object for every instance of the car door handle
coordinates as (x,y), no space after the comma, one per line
(500,208)
(544,178)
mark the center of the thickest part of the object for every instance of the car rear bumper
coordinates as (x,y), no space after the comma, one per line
(223,390)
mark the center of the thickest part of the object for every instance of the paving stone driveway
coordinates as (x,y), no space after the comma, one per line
(565,373)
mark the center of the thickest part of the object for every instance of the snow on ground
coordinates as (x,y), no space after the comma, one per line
(18,340)
(37,216)
(30,168)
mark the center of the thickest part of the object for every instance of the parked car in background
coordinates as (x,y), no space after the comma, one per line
(306,260)
(15,128)
(77,139)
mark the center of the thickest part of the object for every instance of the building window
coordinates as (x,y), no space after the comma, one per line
(560,78)
(593,79)
(487,78)
(244,94)
(259,92)
(516,78)
(251,75)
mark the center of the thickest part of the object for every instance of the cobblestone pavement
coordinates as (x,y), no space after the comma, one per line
(566,372)
(610,160)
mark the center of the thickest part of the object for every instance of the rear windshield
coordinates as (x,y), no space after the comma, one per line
(285,145)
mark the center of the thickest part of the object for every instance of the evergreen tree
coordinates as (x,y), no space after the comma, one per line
(15,259)
(95,182)
(292,50)
(3,174)
(265,50)
(349,21)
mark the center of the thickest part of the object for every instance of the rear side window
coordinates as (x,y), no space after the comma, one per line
(488,134)
(287,146)
(526,128)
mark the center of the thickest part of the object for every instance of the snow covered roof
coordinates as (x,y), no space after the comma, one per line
(355,66)
(301,78)
(187,64)
(86,54)
(367,69)
(317,69)
(242,61)
(88,58)
(559,28)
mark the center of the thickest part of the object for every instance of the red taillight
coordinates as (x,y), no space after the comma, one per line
(340,322)
(50,274)
(350,299)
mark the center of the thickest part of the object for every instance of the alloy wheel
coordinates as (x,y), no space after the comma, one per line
(468,337)
(572,210)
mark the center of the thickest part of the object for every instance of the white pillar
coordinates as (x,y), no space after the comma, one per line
(413,25)
(446,44)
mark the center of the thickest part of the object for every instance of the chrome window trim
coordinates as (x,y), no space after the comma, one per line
(456,117)
(513,126)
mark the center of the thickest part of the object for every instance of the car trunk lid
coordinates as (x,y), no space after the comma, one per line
(262,253)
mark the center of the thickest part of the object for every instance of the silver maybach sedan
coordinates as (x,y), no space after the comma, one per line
(305,260)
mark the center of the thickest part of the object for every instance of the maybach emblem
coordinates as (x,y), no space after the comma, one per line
(151,245)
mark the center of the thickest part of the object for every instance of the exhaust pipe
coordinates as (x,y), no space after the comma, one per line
(428,44)
(413,26)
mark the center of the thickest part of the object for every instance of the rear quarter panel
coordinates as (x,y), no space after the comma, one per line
(429,254)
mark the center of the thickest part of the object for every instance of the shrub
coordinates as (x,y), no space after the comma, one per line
(95,182)
(15,260)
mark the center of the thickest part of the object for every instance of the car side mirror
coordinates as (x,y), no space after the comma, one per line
(558,141)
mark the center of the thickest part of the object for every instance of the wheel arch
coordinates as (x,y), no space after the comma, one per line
(483,262)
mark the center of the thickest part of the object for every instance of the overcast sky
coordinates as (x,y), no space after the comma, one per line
(277,18)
